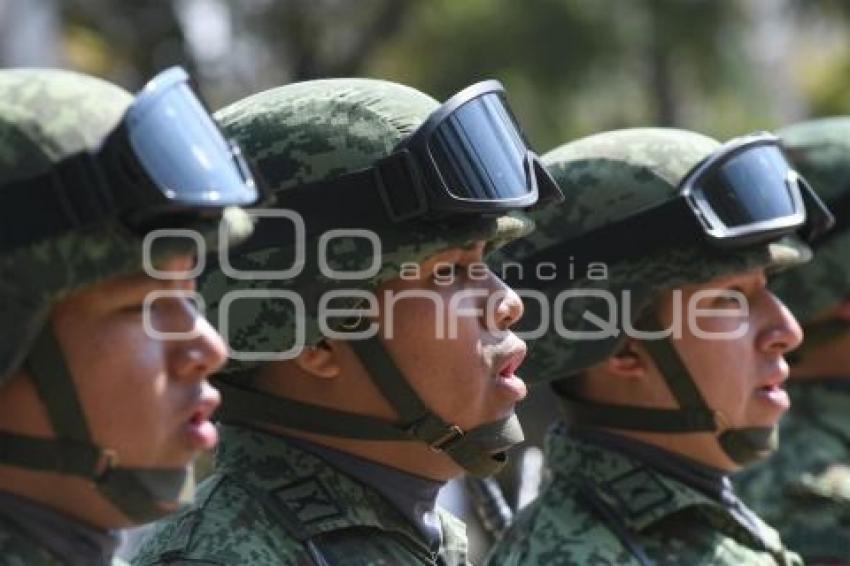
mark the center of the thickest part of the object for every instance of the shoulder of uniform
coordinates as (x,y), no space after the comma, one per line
(639,496)
(225,526)
(558,525)
(370,547)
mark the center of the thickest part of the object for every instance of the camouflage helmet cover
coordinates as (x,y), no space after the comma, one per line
(315,131)
(820,150)
(46,116)
(608,177)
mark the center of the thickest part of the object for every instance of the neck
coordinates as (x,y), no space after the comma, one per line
(407,456)
(701,447)
(414,496)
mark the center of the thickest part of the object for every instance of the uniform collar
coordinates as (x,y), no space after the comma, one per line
(307,487)
(634,486)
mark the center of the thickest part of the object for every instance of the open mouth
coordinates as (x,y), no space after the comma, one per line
(198,418)
(506,377)
(512,363)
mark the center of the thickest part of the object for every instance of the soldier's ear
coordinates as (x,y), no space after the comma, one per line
(319,361)
(629,361)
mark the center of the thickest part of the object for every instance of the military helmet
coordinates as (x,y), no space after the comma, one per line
(48,120)
(609,176)
(820,149)
(651,199)
(45,117)
(302,138)
(305,133)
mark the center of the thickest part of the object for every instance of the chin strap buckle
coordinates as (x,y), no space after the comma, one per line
(108,459)
(451,436)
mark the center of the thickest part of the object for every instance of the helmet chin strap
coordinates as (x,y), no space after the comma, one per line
(480,451)
(742,445)
(142,494)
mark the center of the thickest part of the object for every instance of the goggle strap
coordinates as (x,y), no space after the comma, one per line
(549,193)
(400,170)
(356,200)
(820,219)
(70,196)
(630,237)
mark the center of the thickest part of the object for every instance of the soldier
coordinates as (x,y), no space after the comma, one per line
(100,417)
(667,345)
(336,454)
(805,488)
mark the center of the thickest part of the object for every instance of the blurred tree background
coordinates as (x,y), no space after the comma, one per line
(572,67)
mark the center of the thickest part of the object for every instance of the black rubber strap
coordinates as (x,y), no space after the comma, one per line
(71,195)
(630,237)
(61,456)
(388,192)
(244,406)
(626,417)
(55,386)
(674,371)
(692,415)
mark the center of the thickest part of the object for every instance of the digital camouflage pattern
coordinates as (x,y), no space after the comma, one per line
(270,503)
(45,116)
(668,521)
(804,489)
(820,150)
(608,177)
(313,131)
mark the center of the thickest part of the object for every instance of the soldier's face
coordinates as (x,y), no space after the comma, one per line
(464,374)
(464,371)
(144,397)
(741,377)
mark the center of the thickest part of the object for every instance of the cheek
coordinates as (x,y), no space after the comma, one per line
(723,370)
(445,371)
(121,379)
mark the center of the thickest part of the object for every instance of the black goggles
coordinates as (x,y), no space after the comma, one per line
(166,157)
(469,156)
(747,192)
(743,194)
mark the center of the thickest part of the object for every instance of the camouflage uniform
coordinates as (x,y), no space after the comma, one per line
(601,505)
(283,505)
(663,519)
(254,509)
(804,489)
(47,117)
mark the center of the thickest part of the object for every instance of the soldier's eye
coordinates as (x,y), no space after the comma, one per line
(446,270)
